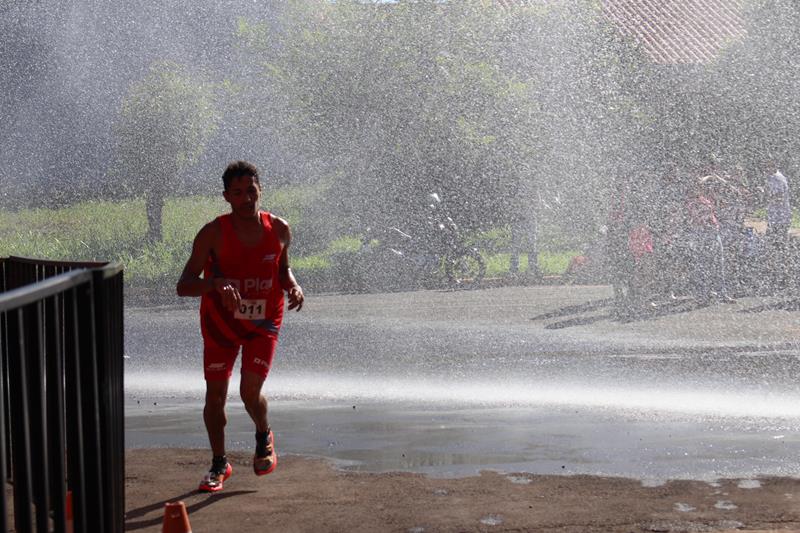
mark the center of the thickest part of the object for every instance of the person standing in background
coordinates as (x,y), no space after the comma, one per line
(779,220)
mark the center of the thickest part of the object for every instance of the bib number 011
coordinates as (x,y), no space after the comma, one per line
(251,310)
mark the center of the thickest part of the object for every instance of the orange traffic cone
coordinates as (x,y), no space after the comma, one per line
(176,519)
(70,520)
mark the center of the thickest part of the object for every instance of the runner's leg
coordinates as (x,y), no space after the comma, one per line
(214,414)
(265,458)
(254,401)
(257,358)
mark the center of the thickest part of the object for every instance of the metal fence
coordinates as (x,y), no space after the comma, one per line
(61,396)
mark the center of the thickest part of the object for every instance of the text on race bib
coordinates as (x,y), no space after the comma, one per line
(251,310)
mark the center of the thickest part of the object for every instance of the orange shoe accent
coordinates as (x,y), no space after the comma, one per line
(265,465)
(213,482)
(70,519)
(176,519)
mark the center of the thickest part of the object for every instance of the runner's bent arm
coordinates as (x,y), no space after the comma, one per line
(190,282)
(285,276)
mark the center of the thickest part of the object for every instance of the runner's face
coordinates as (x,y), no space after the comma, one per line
(244,195)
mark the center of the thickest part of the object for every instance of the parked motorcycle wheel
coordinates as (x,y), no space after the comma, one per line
(465,269)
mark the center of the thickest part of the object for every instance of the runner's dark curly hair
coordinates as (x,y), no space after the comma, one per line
(238,169)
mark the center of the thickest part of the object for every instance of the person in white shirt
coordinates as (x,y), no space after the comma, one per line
(779,209)
(779,219)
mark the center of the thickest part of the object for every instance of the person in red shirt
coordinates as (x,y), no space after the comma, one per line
(244,259)
(619,265)
(708,272)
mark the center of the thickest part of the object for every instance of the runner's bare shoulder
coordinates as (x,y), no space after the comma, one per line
(210,236)
(282,227)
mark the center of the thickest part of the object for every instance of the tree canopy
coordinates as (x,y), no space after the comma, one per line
(165,123)
(478,103)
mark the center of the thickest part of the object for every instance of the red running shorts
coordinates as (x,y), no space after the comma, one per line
(257,355)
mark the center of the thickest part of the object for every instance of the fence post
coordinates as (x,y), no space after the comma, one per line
(34,360)
(20,435)
(54,375)
(4,448)
(90,408)
(62,396)
(72,396)
(109,335)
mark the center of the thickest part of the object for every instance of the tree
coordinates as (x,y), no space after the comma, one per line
(757,78)
(510,113)
(166,121)
(393,102)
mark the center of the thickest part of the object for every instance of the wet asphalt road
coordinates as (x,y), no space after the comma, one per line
(540,379)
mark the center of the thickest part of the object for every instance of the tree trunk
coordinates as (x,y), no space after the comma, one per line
(154,202)
(524,229)
(533,245)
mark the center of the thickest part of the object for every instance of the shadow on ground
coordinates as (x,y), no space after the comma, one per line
(606,310)
(782,305)
(140,512)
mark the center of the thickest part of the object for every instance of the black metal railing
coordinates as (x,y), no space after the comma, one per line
(61,396)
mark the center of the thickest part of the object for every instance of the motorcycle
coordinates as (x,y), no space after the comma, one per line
(432,255)
(464,266)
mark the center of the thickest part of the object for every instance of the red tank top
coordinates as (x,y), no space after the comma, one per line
(254,271)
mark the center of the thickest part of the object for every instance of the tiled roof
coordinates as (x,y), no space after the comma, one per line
(671,31)
(678,31)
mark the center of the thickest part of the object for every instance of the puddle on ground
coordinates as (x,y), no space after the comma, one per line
(749,484)
(726,505)
(492,520)
(519,480)
(684,507)
(728,524)
(669,526)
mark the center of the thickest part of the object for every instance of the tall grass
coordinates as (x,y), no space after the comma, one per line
(550,263)
(111,231)
(115,231)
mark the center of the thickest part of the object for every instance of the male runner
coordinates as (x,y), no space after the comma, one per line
(244,258)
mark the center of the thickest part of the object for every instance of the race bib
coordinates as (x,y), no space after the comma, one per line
(251,310)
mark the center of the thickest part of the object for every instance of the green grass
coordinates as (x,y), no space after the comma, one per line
(99,229)
(115,231)
(550,263)
(761,214)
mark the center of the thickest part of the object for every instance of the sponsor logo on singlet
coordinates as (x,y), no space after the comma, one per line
(253,284)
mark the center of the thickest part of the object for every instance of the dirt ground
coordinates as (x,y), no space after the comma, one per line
(309,494)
